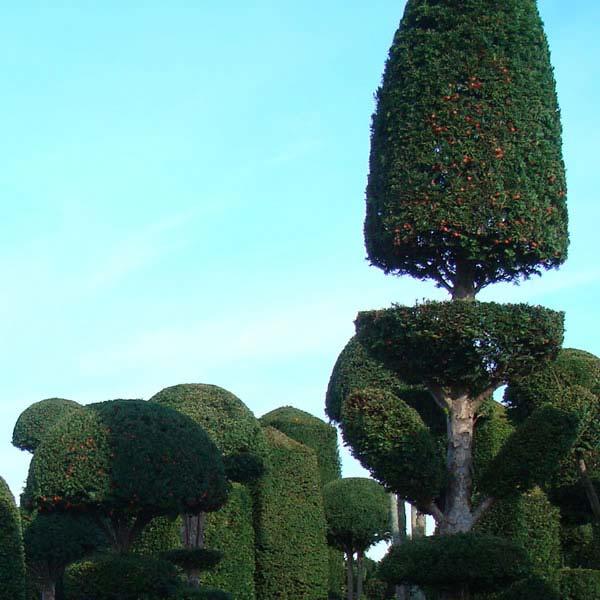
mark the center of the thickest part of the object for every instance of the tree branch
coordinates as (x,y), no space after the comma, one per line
(434,510)
(483,507)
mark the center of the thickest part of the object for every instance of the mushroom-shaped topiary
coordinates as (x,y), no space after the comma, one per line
(194,560)
(37,419)
(12,565)
(357,514)
(126,462)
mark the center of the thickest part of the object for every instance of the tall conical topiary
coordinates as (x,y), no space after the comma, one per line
(12,559)
(467,183)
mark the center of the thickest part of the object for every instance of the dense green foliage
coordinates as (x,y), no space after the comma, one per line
(160,535)
(482,562)
(389,439)
(580,545)
(312,432)
(548,383)
(126,458)
(355,369)
(55,540)
(203,593)
(532,522)
(466,183)
(201,559)
(291,532)
(357,513)
(531,455)
(244,467)
(230,530)
(532,588)
(579,584)
(12,564)
(228,421)
(475,346)
(121,577)
(37,419)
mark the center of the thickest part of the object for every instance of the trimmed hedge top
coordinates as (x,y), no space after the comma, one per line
(127,455)
(470,346)
(467,183)
(229,422)
(357,510)
(12,564)
(483,562)
(312,432)
(37,419)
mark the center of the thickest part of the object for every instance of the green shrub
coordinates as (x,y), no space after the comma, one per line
(532,588)
(230,530)
(579,584)
(291,546)
(121,577)
(466,183)
(481,562)
(160,535)
(580,545)
(475,346)
(532,522)
(37,419)
(12,564)
(203,593)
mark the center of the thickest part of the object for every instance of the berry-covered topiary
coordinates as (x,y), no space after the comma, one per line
(463,560)
(357,514)
(291,532)
(12,564)
(467,183)
(126,462)
(37,419)
(122,576)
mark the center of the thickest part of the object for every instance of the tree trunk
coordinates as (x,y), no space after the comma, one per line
(360,574)
(349,575)
(590,490)
(463,287)
(193,530)
(417,522)
(48,590)
(398,527)
(458,516)
(460,594)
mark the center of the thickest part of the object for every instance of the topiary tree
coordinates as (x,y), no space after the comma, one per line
(12,564)
(238,434)
(466,184)
(357,514)
(291,547)
(55,540)
(37,419)
(322,438)
(125,462)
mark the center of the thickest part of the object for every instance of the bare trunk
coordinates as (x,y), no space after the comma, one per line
(49,591)
(360,574)
(349,575)
(417,522)
(458,516)
(590,490)
(398,527)
(464,287)
(193,577)
(459,594)
(193,530)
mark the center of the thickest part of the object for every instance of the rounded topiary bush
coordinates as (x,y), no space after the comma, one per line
(122,577)
(532,588)
(291,548)
(37,419)
(579,584)
(12,564)
(482,563)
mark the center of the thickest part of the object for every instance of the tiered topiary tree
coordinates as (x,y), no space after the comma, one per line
(291,531)
(467,188)
(357,514)
(322,438)
(12,564)
(123,463)
(238,434)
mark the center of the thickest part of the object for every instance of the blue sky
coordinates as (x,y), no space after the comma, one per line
(182,196)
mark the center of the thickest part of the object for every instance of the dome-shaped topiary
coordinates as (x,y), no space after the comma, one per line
(37,419)
(467,183)
(127,459)
(228,421)
(12,564)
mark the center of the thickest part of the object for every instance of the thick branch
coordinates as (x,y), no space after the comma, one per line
(483,507)
(434,510)
(590,490)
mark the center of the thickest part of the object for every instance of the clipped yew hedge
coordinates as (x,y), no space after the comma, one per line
(230,530)
(291,542)
(579,584)
(12,561)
